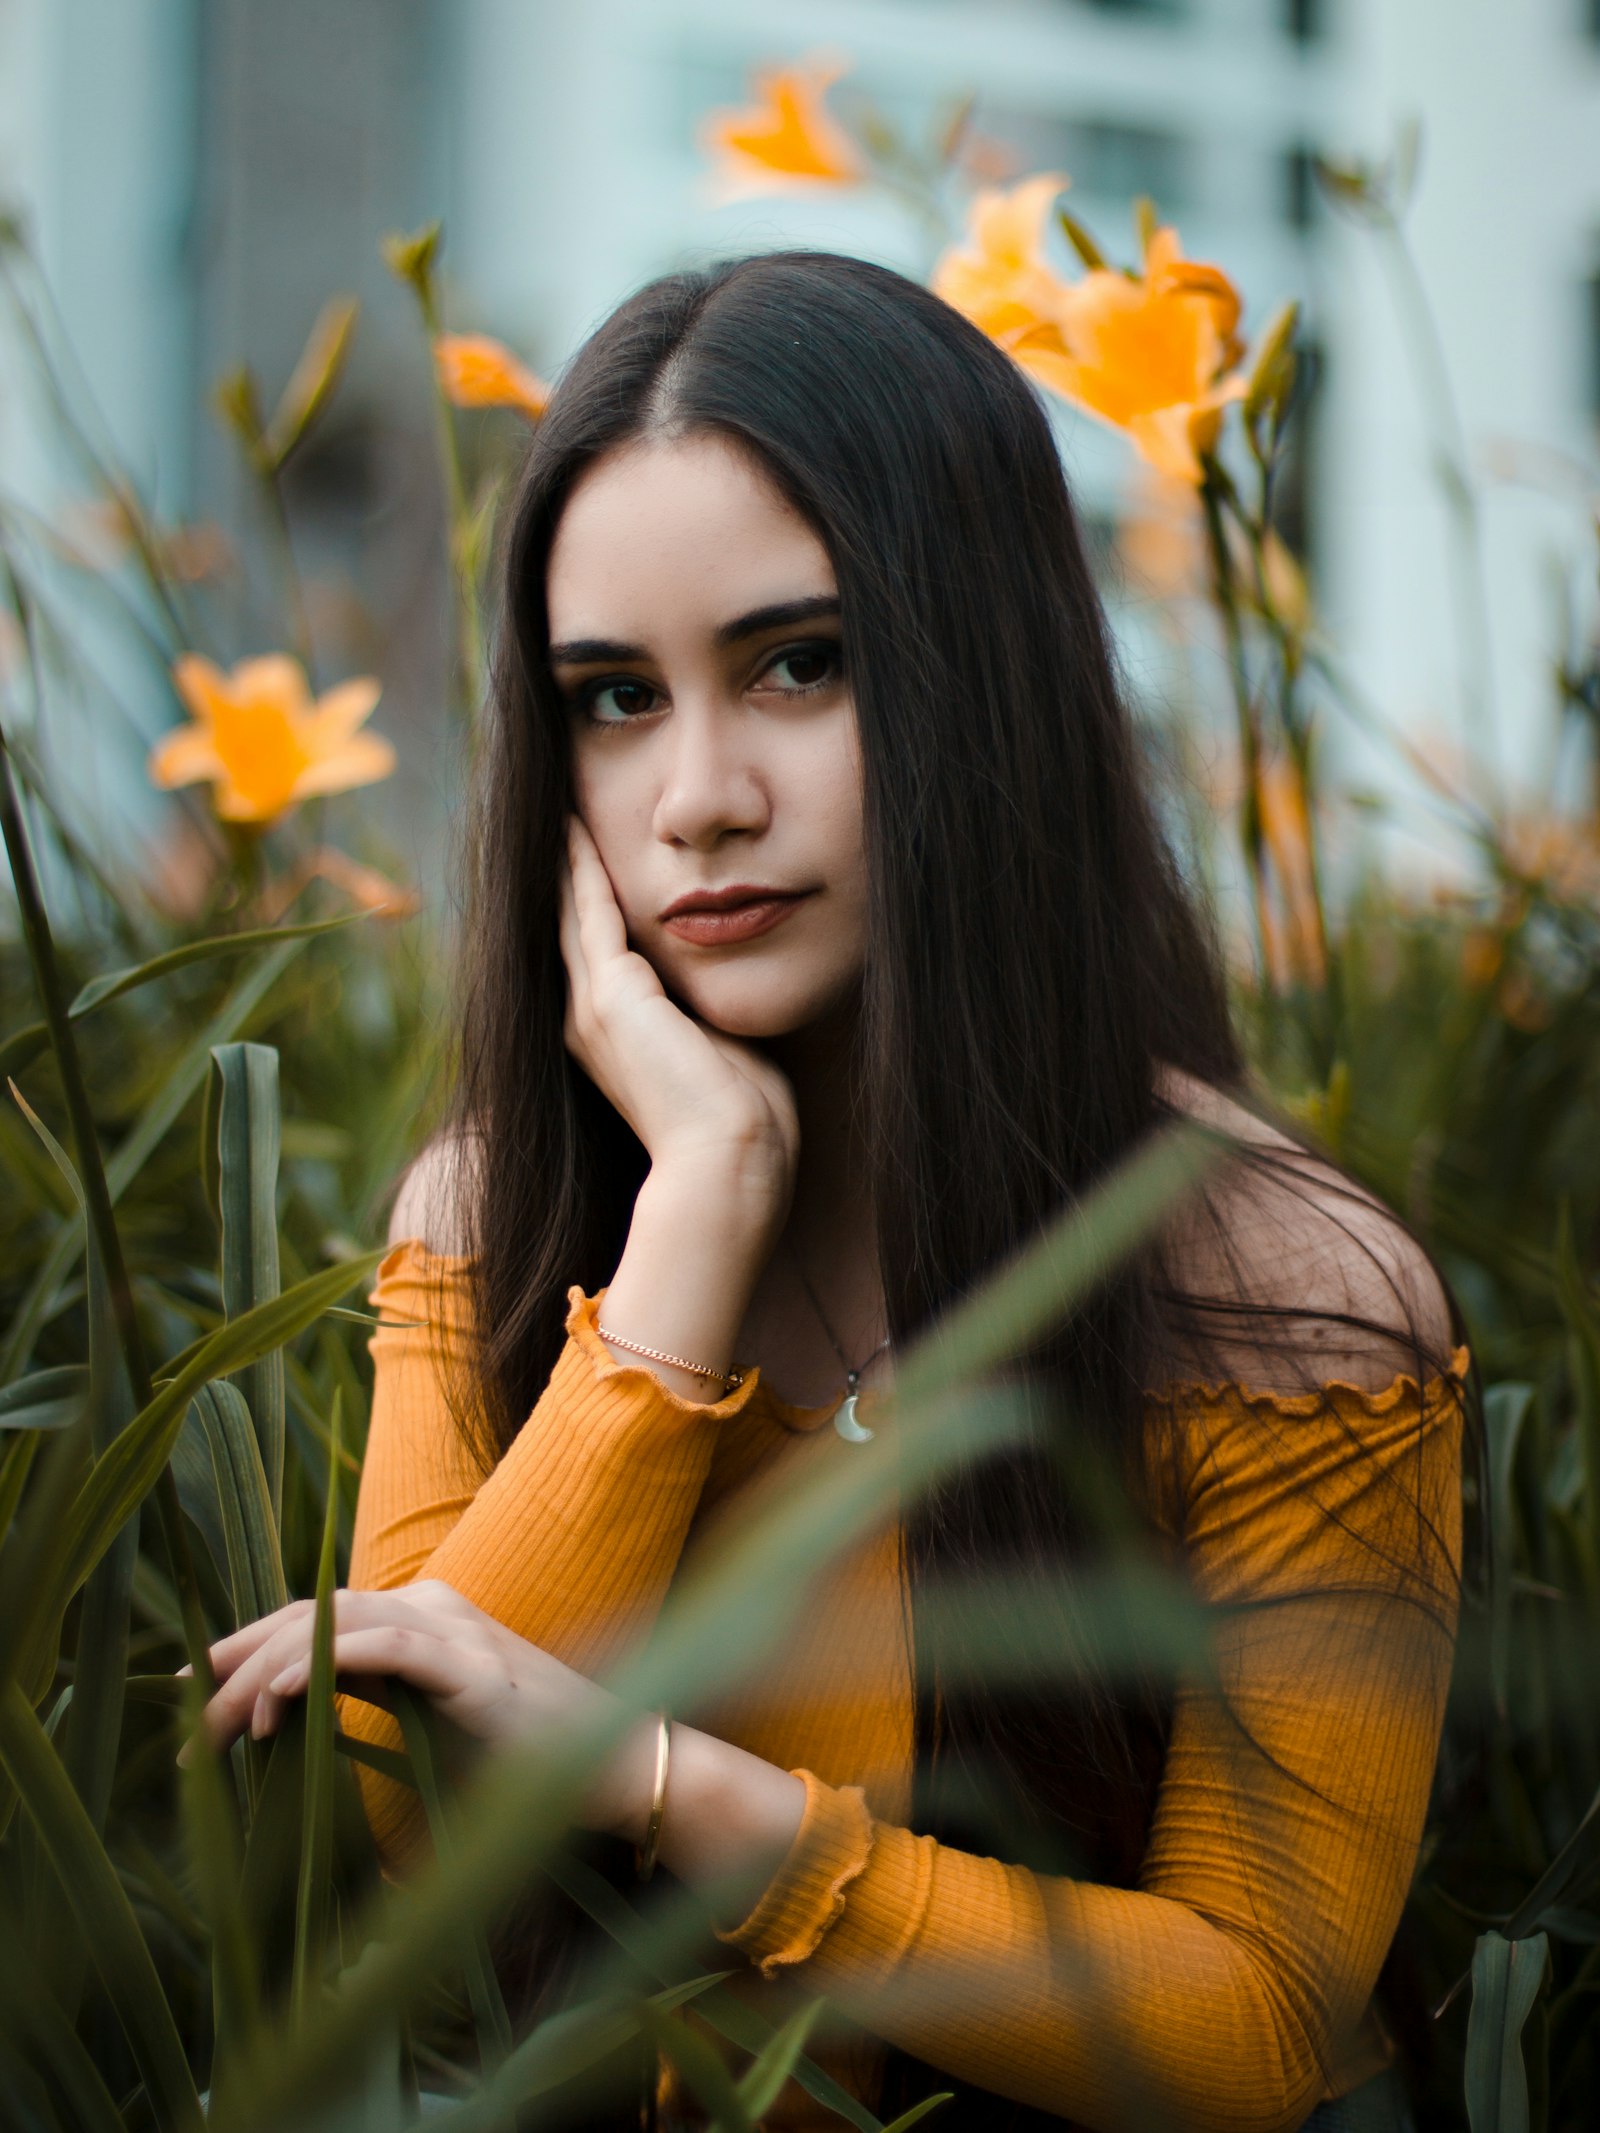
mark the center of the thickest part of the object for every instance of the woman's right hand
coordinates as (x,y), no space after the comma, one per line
(698,1100)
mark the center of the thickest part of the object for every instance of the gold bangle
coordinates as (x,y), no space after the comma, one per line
(731,1380)
(645,1855)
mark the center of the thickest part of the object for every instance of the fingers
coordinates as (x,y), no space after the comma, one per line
(246,1663)
(428,1662)
(601,927)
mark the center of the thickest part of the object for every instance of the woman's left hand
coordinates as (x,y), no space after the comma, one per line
(490,1682)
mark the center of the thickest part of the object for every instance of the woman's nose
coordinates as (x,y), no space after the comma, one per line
(710,787)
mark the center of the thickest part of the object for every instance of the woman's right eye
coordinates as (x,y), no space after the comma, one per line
(613,703)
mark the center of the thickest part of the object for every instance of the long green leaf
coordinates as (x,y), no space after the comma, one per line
(764,2082)
(94,1731)
(567,2045)
(919,2111)
(483,1987)
(1505,1409)
(121,1477)
(729,2015)
(249,1530)
(145,1136)
(1506,1976)
(216,1852)
(316,1817)
(247,1176)
(700,2069)
(74,2082)
(48,1399)
(116,982)
(104,1915)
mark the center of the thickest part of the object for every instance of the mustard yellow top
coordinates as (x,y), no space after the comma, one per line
(1232,1988)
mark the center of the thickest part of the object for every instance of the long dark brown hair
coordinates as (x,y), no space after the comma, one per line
(1003,1066)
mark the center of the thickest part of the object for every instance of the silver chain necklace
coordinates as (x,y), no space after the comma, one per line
(844,1415)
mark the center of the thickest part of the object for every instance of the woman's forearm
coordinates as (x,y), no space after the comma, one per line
(695,1246)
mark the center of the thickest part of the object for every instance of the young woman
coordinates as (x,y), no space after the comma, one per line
(824,947)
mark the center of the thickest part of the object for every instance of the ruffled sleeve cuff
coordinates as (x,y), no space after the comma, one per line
(583,1314)
(807,1894)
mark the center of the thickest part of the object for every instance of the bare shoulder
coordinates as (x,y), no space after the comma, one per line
(431,1202)
(1301,1272)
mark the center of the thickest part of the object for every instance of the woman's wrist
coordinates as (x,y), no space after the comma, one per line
(695,1248)
(730,1820)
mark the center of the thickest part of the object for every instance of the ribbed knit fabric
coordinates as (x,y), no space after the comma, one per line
(1231,1990)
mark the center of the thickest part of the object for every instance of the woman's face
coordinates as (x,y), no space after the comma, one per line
(695,637)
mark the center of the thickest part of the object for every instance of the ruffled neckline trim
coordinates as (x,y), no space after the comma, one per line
(1373,1400)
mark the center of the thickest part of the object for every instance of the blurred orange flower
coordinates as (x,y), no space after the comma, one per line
(265,745)
(476,371)
(1148,353)
(786,137)
(999,276)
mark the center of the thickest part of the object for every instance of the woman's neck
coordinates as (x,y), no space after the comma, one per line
(831,1228)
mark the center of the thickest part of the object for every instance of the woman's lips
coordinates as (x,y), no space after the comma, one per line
(718,927)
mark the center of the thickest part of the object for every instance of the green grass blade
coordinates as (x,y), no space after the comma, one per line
(248,1132)
(47,1399)
(121,1477)
(94,1730)
(215,1843)
(762,2084)
(116,982)
(919,2111)
(249,1530)
(559,2050)
(1506,1977)
(316,1818)
(702,2072)
(730,2016)
(74,2082)
(53,1148)
(1505,1409)
(104,1915)
(143,1138)
(417,1726)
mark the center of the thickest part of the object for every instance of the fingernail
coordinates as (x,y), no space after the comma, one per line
(258,1718)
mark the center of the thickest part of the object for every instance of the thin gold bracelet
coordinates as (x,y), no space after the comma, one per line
(645,1856)
(730,1380)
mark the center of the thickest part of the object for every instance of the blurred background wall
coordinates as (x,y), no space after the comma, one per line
(198,175)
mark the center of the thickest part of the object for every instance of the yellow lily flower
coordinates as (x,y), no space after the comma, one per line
(475,370)
(785,138)
(264,743)
(998,276)
(1150,354)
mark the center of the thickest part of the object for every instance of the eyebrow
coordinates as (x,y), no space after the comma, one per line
(780,614)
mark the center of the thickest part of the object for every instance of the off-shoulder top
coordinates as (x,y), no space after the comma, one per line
(1232,1988)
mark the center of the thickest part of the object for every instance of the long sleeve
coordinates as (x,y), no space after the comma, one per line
(1223,1991)
(571,1541)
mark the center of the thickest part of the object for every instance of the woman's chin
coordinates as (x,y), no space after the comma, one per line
(759,1014)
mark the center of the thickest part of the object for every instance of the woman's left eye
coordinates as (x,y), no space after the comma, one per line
(804,667)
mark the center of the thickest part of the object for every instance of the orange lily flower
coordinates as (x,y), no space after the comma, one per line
(998,277)
(1147,353)
(262,741)
(785,138)
(476,371)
